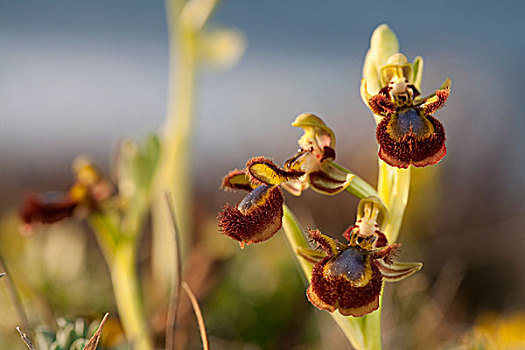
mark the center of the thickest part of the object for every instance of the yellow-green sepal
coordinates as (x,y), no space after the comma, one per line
(312,125)
(329,179)
(397,271)
(421,102)
(265,171)
(237,180)
(372,206)
(383,44)
(417,68)
(295,188)
(311,255)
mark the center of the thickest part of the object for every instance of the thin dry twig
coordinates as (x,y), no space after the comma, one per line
(175,287)
(15,296)
(26,339)
(93,342)
(198,314)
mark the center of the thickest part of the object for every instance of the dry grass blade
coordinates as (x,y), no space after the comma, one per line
(15,296)
(93,342)
(26,339)
(198,314)
(175,287)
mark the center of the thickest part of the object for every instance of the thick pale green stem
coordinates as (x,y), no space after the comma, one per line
(393,186)
(127,295)
(371,328)
(106,233)
(357,187)
(119,249)
(174,173)
(174,176)
(296,239)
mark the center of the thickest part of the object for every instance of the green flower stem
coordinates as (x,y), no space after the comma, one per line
(119,250)
(393,187)
(127,295)
(174,173)
(362,332)
(296,239)
(370,328)
(106,233)
(358,187)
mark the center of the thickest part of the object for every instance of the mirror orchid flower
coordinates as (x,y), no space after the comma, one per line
(259,215)
(408,133)
(349,276)
(88,190)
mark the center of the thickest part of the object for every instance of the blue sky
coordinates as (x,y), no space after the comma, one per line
(76,76)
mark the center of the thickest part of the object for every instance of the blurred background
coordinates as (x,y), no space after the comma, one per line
(77,77)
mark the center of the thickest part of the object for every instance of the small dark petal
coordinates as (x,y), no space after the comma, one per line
(326,183)
(328,153)
(326,243)
(257,221)
(381,240)
(414,147)
(294,162)
(415,91)
(47,208)
(237,180)
(441,98)
(388,253)
(381,104)
(348,232)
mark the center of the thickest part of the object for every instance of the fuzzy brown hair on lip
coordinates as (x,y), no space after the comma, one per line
(411,149)
(336,293)
(258,223)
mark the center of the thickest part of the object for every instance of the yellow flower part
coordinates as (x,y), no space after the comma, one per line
(493,331)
